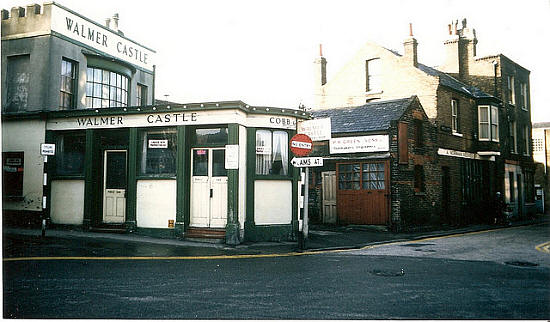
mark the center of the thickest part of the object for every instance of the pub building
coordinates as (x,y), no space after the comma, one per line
(85,143)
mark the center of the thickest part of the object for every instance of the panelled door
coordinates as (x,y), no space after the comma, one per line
(114,186)
(329,196)
(208,188)
(363,193)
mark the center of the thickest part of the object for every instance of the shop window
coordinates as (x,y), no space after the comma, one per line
(419,178)
(12,174)
(211,136)
(141,93)
(349,176)
(488,123)
(105,88)
(271,152)
(158,152)
(454,116)
(373,73)
(70,151)
(68,81)
(364,176)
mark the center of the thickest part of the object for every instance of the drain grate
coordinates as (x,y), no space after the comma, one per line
(521,264)
(387,273)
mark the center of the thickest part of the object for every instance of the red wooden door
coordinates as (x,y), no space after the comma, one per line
(362,196)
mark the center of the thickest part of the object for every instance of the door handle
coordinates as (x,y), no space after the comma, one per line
(211,192)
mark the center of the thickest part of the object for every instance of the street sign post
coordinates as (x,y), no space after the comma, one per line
(301,145)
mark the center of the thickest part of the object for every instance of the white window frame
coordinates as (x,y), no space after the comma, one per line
(511,90)
(454,115)
(514,135)
(373,75)
(491,123)
(523,89)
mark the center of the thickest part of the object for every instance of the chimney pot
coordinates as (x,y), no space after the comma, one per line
(108,22)
(410,29)
(321,50)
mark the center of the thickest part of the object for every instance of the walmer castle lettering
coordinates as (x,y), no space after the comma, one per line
(100,121)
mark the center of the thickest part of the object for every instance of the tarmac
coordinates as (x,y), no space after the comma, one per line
(321,238)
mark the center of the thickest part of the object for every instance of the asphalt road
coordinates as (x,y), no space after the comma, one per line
(461,277)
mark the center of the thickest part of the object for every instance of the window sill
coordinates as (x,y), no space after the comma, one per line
(374,92)
(156,177)
(458,134)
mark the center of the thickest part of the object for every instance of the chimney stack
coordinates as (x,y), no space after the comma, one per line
(115,21)
(410,47)
(108,23)
(460,50)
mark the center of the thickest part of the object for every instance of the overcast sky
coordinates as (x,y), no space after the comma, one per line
(262,52)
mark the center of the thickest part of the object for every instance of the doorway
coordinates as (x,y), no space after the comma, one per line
(114,186)
(208,188)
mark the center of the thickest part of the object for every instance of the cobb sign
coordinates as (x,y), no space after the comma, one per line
(301,145)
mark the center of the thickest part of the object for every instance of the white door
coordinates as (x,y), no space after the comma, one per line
(114,186)
(329,196)
(208,188)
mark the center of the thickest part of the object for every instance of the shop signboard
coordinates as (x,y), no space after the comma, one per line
(355,144)
(317,129)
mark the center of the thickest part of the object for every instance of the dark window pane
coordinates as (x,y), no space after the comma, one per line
(200,162)
(116,170)
(211,136)
(218,163)
(70,154)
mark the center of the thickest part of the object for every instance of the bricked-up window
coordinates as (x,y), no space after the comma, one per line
(402,140)
(488,123)
(419,185)
(526,140)
(419,133)
(373,72)
(513,137)
(105,88)
(455,126)
(511,90)
(69,156)
(17,82)
(141,93)
(68,82)
(271,152)
(524,96)
(512,186)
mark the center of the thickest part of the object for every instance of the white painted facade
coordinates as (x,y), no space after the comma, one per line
(272,202)
(67,198)
(156,203)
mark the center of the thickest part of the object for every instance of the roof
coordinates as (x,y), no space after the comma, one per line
(453,83)
(541,125)
(374,116)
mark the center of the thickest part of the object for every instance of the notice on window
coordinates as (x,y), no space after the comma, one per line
(232,156)
(157,144)
(263,149)
(47,149)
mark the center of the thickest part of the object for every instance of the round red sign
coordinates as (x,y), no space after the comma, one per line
(301,145)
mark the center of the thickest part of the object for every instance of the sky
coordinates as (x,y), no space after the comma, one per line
(262,52)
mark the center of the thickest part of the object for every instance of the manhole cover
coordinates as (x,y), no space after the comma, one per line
(387,273)
(521,264)
(416,245)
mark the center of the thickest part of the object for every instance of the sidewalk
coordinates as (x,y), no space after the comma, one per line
(320,238)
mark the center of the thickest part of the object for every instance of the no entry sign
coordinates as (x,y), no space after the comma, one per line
(301,145)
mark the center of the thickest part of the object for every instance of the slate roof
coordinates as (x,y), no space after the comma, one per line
(374,116)
(453,83)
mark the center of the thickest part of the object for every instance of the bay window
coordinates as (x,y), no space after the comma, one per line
(105,88)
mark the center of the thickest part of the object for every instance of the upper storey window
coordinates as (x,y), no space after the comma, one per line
(454,116)
(488,123)
(511,90)
(68,81)
(105,88)
(373,73)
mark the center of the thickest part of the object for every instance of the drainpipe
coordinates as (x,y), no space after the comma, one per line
(153,89)
(495,64)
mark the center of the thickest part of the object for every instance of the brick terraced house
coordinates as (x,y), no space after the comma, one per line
(481,129)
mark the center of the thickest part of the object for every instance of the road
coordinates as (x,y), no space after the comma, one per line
(458,277)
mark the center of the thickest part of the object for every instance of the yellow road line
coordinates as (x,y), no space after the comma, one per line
(545,247)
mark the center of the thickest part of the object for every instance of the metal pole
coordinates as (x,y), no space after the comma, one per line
(306,196)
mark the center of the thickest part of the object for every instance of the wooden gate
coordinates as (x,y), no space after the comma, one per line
(329,197)
(363,193)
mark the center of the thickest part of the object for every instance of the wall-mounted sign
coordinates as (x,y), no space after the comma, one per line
(157,144)
(301,145)
(317,130)
(47,149)
(100,37)
(232,156)
(13,162)
(307,162)
(355,144)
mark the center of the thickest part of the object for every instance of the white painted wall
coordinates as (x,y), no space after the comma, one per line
(26,136)
(156,203)
(242,175)
(272,202)
(67,202)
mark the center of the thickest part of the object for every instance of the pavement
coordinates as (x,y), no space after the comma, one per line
(320,238)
